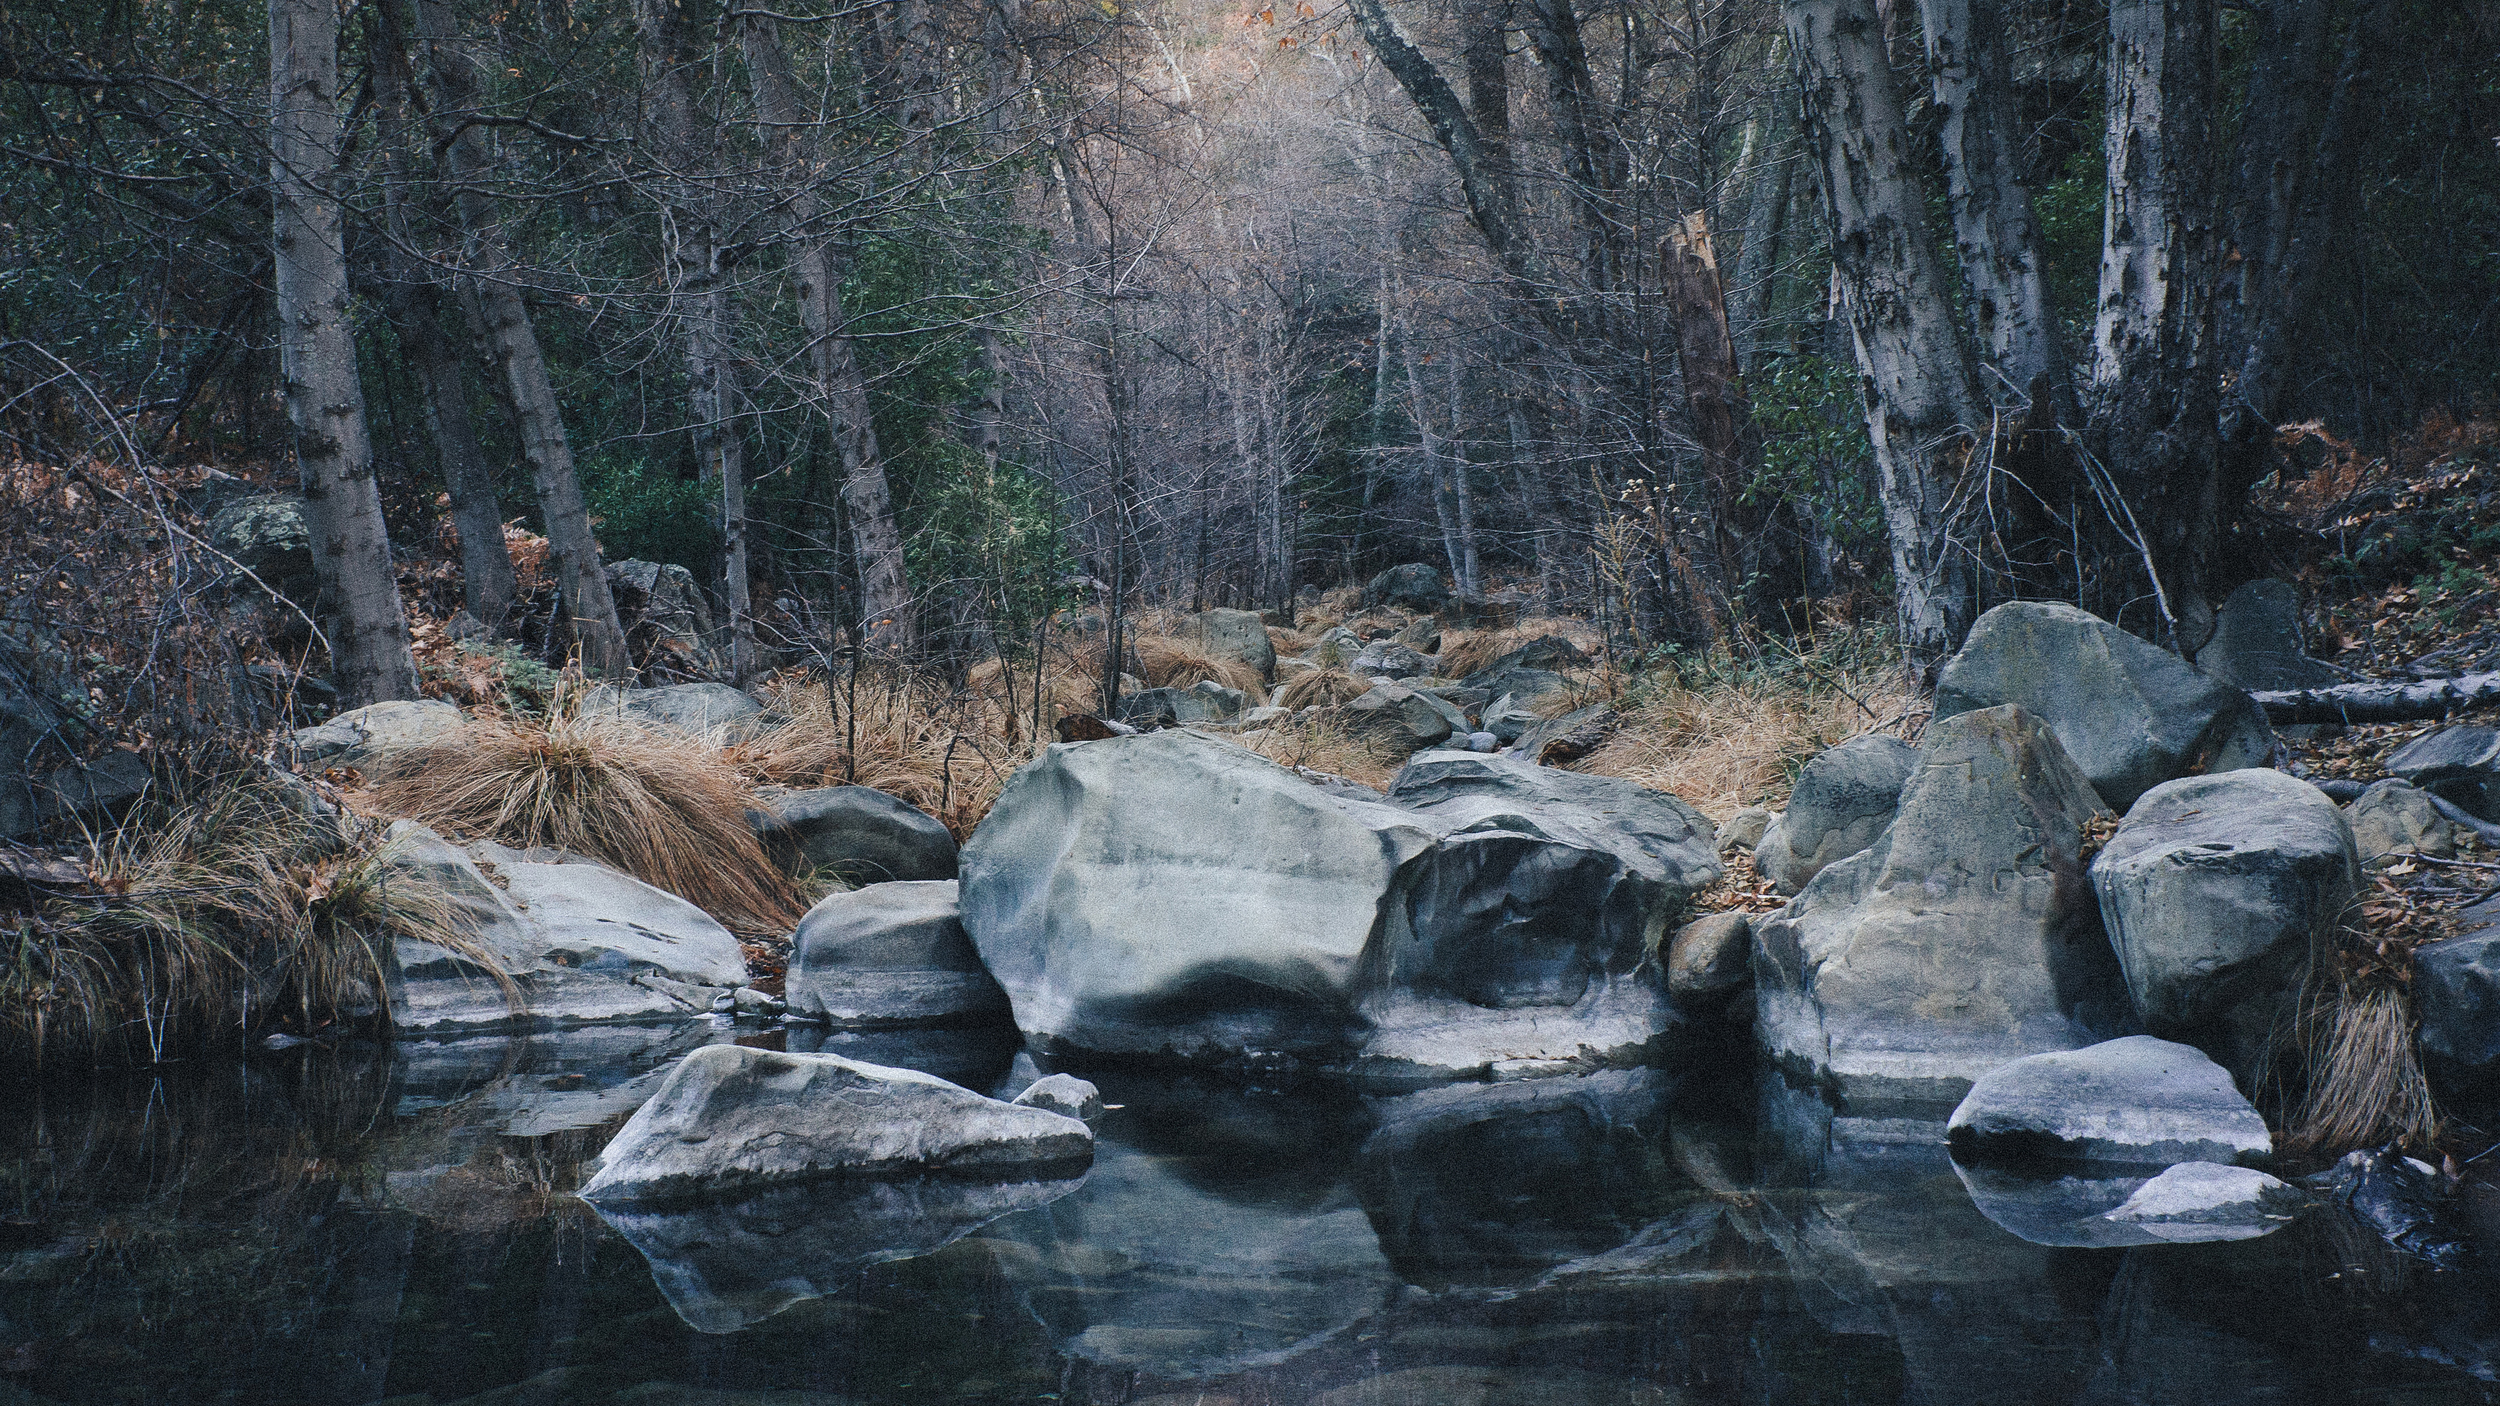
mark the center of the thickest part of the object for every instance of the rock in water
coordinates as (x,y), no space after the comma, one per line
(2457,764)
(2195,1202)
(861,834)
(2132,715)
(2132,1100)
(730,1121)
(2213,890)
(2256,643)
(890,954)
(1965,938)
(1063,1093)
(1172,894)
(1843,799)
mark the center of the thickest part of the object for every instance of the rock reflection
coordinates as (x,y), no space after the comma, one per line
(727,1266)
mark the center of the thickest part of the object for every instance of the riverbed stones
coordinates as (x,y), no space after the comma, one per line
(2393,819)
(2130,714)
(2256,643)
(2213,890)
(2458,764)
(364,737)
(1710,958)
(890,955)
(695,709)
(1964,938)
(732,1121)
(579,942)
(859,834)
(1413,586)
(2137,1100)
(2197,1202)
(2456,996)
(1063,1093)
(1843,799)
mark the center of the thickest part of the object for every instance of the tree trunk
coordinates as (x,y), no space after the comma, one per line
(363,617)
(841,389)
(1714,394)
(1921,391)
(1995,232)
(1766,225)
(2156,381)
(1454,453)
(512,342)
(415,303)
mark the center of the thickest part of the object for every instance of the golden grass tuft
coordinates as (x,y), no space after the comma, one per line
(1165,661)
(1731,743)
(668,809)
(1464,652)
(2366,1084)
(218,912)
(1289,641)
(1326,744)
(903,734)
(1317,688)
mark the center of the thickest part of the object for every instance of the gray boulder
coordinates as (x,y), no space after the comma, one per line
(1236,634)
(1172,894)
(1505,718)
(2256,643)
(1524,687)
(2132,1100)
(1204,702)
(1964,938)
(2200,1202)
(1402,719)
(1063,1093)
(578,942)
(1710,957)
(1529,672)
(1592,722)
(2456,996)
(889,954)
(91,787)
(2458,764)
(731,1121)
(696,709)
(269,536)
(2130,714)
(1422,635)
(1843,799)
(367,735)
(1744,830)
(2392,819)
(1387,659)
(1413,586)
(2213,890)
(858,833)
(1335,646)
(666,617)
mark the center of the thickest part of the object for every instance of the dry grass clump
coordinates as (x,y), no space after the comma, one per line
(216,914)
(1318,688)
(1326,744)
(668,809)
(1464,652)
(1730,743)
(1289,641)
(2366,1082)
(1165,661)
(903,734)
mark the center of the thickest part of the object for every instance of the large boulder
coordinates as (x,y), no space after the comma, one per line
(574,942)
(1203,702)
(666,619)
(1402,719)
(2460,765)
(731,1121)
(857,833)
(1964,938)
(1235,634)
(2131,715)
(1413,586)
(2392,819)
(696,709)
(2256,643)
(2136,1100)
(1528,673)
(1388,659)
(1175,895)
(2213,891)
(1711,957)
(2456,995)
(268,535)
(1843,799)
(367,735)
(889,954)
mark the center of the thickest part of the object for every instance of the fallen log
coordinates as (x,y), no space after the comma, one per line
(2380,700)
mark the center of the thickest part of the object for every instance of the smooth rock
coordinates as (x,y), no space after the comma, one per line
(2130,714)
(1238,635)
(2458,764)
(1711,957)
(1843,799)
(1063,1093)
(1744,829)
(1965,938)
(1413,586)
(2131,1100)
(2256,642)
(2213,890)
(2195,1202)
(1202,702)
(1481,742)
(366,736)
(2456,996)
(695,709)
(1506,718)
(858,833)
(2393,819)
(731,1121)
(889,954)
(1387,659)
(1400,719)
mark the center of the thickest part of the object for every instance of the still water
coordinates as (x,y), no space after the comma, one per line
(330,1226)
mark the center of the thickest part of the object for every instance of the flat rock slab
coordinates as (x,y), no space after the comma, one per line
(890,955)
(2457,764)
(2137,1100)
(731,1121)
